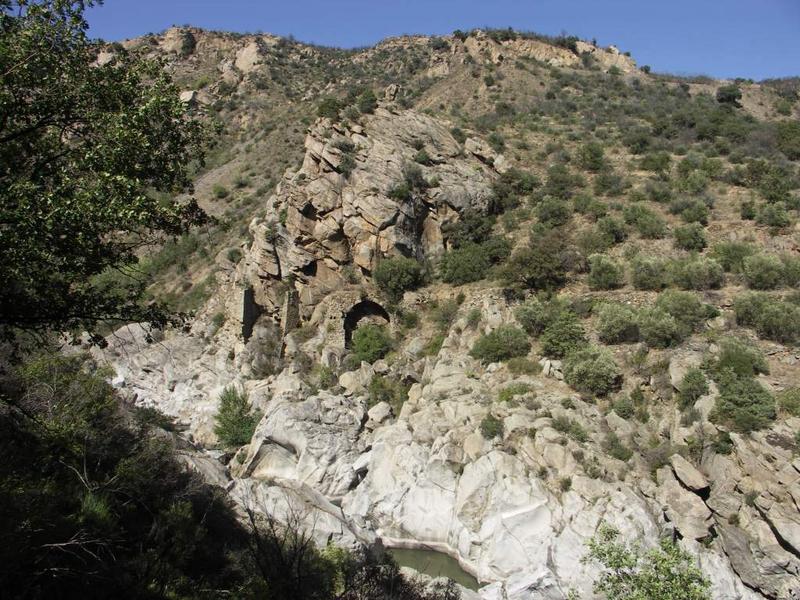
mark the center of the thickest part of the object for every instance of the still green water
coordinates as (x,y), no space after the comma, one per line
(435,564)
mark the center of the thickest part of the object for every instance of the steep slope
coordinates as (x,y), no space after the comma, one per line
(507,465)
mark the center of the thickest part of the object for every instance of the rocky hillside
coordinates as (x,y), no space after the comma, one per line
(487,292)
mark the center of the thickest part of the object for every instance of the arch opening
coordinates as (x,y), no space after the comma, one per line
(365,311)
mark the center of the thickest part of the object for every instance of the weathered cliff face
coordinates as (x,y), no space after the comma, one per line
(331,221)
(426,475)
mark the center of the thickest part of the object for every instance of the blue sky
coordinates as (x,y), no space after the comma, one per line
(722,38)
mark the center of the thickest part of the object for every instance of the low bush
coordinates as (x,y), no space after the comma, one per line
(731,255)
(591,157)
(697,273)
(772,319)
(648,273)
(659,329)
(789,401)
(743,404)
(542,265)
(617,324)
(370,342)
(763,271)
(571,427)
(605,273)
(235,421)
(647,222)
(616,449)
(695,211)
(511,187)
(491,427)
(553,212)
(503,343)
(690,237)
(387,389)
(773,215)
(686,307)
(512,391)
(613,229)
(592,370)
(523,366)
(534,314)
(562,336)
(394,276)
(740,358)
(693,386)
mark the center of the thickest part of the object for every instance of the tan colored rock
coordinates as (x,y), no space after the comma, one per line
(687,474)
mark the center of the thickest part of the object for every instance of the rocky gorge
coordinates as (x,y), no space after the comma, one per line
(422,474)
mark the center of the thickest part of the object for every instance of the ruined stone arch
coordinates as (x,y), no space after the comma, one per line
(364,311)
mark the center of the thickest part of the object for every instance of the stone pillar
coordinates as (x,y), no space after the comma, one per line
(290,312)
(250,312)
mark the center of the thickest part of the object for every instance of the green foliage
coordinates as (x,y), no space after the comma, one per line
(561,183)
(617,324)
(616,449)
(552,212)
(78,470)
(510,187)
(693,386)
(648,273)
(659,329)
(329,107)
(370,342)
(697,273)
(571,427)
(562,335)
(503,343)
(387,389)
(731,255)
(535,315)
(773,215)
(663,573)
(491,427)
(236,420)
(512,391)
(472,262)
(771,318)
(690,237)
(646,221)
(367,102)
(605,273)
(685,307)
(789,401)
(729,94)
(740,358)
(538,266)
(788,134)
(394,276)
(658,162)
(592,370)
(523,366)
(220,191)
(763,271)
(92,161)
(591,157)
(743,404)
(613,229)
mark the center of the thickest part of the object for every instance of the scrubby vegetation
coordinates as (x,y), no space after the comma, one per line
(503,343)
(236,420)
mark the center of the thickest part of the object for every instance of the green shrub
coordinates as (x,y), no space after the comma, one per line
(491,427)
(646,221)
(387,389)
(698,273)
(771,318)
(693,386)
(510,187)
(512,391)
(616,449)
(763,271)
(561,183)
(539,266)
(235,421)
(731,255)
(220,191)
(472,227)
(534,315)
(659,329)
(789,401)
(617,324)
(591,157)
(685,307)
(658,162)
(773,215)
(613,229)
(740,358)
(464,265)
(394,276)
(748,211)
(553,212)
(743,404)
(592,370)
(648,273)
(562,335)
(788,133)
(690,237)
(605,273)
(791,270)
(367,102)
(610,183)
(571,427)
(695,211)
(370,342)
(330,108)
(503,343)
(729,94)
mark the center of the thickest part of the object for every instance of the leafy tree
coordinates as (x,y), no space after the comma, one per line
(540,265)
(503,343)
(729,94)
(663,573)
(87,155)
(236,420)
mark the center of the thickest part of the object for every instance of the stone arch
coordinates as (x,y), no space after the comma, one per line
(365,310)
